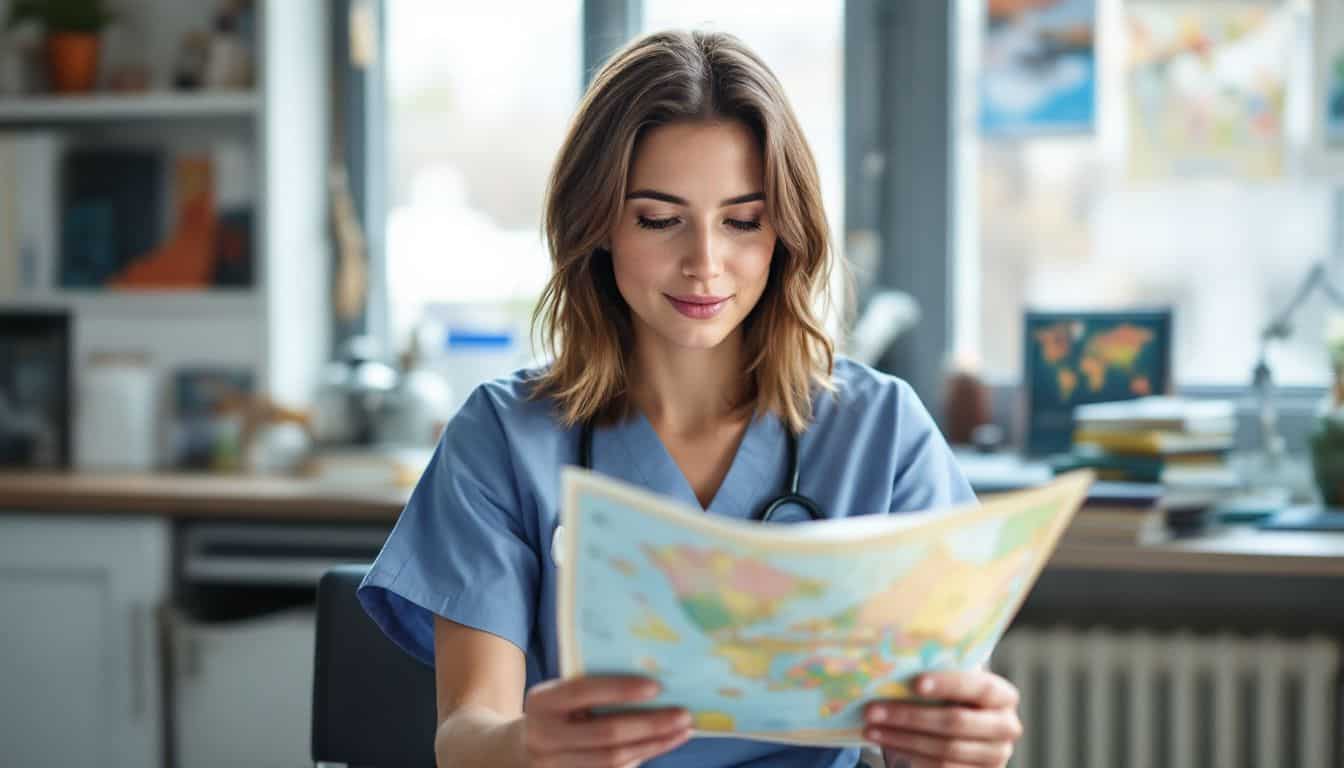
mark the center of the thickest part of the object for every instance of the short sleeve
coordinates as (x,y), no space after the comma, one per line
(460,548)
(927,475)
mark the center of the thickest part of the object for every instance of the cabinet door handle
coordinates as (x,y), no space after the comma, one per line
(137,665)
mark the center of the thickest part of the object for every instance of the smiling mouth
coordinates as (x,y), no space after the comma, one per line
(698,307)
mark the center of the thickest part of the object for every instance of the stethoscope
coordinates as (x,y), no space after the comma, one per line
(767,510)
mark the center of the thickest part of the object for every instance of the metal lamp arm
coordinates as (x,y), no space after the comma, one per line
(1281,326)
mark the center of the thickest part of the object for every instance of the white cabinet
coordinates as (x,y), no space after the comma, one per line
(80,663)
(243,691)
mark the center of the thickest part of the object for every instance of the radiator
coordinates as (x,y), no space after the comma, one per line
(1098,698)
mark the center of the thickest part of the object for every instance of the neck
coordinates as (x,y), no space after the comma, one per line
(689,390)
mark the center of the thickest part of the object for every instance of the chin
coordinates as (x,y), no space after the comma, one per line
(696,338)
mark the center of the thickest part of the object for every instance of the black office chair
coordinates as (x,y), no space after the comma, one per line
(373,705)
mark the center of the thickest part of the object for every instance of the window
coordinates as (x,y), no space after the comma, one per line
(479,97)
(473,132)
(1094,220)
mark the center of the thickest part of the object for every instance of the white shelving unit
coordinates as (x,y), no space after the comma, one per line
(165,105)
(279,326)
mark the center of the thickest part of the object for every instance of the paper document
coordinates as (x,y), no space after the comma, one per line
(783,632)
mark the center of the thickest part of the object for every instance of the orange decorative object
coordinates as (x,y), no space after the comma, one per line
(72,61)
(187,259)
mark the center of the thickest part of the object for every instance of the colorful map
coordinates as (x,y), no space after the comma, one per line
(1073,360)
(784,632)
(1117,349)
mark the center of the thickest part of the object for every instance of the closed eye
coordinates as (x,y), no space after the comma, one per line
(745,226)
(648,223)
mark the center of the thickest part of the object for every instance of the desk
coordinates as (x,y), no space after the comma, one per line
(241,497)
(1239,550)
(1234,550)
(199,495)
(132,526)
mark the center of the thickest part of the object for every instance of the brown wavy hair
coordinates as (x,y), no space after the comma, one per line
(583,322)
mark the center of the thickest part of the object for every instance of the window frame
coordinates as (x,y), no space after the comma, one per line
(360,92)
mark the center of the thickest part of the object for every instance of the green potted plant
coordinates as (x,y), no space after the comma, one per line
(1327,439)
(71,44)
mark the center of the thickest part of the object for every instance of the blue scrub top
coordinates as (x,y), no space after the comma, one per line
(474,542)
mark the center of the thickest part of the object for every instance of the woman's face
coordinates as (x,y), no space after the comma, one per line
(691,251)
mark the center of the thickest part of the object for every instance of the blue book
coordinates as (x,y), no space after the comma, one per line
(1305,518)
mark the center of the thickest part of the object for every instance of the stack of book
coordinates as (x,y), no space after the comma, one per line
(1119,513)
(1170,440)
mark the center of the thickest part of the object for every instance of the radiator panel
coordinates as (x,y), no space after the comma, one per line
(1109,699)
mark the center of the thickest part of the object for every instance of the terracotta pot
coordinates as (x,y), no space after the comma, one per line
(72,61)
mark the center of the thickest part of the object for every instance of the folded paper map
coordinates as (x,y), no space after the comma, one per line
(783,632)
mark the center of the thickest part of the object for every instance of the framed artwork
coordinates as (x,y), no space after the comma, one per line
(1207,87)
(1328,74)
(1075,358)
(1038,68)
(35,389)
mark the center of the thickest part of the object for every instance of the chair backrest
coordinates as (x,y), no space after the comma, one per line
(373,705)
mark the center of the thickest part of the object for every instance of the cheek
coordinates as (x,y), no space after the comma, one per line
(635,264)
(754,266)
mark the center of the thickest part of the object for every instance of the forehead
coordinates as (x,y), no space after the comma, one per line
(702,161)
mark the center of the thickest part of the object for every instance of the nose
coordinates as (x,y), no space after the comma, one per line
(704,260)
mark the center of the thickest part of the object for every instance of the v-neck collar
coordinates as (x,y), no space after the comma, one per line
(733,498)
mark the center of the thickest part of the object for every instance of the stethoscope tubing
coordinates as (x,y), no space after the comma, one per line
(767,510)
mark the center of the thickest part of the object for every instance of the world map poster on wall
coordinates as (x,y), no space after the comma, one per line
(1075,358)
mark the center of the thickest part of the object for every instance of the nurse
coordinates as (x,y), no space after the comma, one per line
(690,255)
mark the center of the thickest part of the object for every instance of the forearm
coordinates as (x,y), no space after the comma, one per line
(477,737)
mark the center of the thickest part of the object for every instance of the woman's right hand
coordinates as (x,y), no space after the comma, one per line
(560,731)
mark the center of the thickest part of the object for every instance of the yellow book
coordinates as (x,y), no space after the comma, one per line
(1151,442)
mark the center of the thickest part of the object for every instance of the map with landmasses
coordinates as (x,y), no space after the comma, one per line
(1091,357)
(1116,349)
(783,632)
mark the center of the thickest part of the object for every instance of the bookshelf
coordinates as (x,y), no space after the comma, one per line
(278,325)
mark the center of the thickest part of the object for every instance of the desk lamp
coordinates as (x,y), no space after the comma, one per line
(1280,328)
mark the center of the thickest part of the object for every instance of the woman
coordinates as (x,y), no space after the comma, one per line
(690,249)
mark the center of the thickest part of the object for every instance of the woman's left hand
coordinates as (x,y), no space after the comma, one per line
(977,726)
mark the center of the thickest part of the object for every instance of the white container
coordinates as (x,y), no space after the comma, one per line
(468,344)
(116,416)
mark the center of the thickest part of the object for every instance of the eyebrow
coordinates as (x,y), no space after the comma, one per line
(652,194)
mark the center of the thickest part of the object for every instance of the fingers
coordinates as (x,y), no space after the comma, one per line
(615,730)
(581,693)
(614,757)
(977,728)
(924,762)
(954,722)
(976,688)
(940,749)
(559,731)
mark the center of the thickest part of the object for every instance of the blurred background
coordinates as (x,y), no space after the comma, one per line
(255,253)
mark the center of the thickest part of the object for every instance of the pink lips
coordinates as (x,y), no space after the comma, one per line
(699,307)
